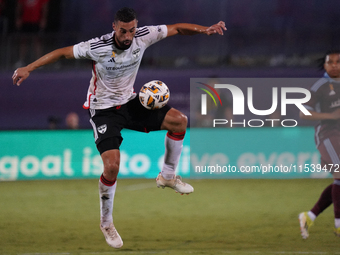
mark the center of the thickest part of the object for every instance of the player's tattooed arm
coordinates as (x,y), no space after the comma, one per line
(22,73)
(193,29)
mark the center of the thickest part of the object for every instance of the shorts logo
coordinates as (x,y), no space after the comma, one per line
(102,129)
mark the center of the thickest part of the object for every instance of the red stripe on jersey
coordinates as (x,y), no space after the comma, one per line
(94,83)
(95,77)
(88,100)
(176,136)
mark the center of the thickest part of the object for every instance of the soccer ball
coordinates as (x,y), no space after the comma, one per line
(154,95)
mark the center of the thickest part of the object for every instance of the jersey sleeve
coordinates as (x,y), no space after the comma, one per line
(152,34)
(316,93)
(85,50)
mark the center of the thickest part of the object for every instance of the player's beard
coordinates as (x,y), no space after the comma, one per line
(124,45)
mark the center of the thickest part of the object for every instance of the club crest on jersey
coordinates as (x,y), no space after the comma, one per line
(102,129)
(332,92)
(136,53)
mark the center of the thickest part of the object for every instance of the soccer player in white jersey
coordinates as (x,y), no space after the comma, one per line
(113,104)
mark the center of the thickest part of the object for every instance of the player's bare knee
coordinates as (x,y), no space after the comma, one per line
(175,121)
(183,122)
(180,118)
(111,169)
(178,122)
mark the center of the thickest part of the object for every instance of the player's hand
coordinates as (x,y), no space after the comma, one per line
(216,29)
(20,75)
(336,114)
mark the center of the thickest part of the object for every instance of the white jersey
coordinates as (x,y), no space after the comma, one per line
(114,71)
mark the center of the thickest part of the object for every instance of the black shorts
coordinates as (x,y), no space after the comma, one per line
(108,123)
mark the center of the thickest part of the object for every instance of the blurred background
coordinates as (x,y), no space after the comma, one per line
(265,38)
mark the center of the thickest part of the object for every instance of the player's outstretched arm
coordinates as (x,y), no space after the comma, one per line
(193,29)
(22,73)
(321,115)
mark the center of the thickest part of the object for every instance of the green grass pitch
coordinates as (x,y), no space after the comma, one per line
(220,217)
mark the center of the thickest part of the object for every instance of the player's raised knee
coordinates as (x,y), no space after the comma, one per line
(175,121)
(182,122)
(182,119)
(176,117)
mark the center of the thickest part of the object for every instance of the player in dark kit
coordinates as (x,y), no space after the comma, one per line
(324,106)
(113,104)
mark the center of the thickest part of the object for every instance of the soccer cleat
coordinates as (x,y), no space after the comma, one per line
(111,236)
(175,183)
(337,231)
(305,223)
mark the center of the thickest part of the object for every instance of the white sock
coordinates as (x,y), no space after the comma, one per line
(173,150)
(337,223)
(106,196)
(311,215)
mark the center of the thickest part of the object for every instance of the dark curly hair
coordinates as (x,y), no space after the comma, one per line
(321,61)
(125,14)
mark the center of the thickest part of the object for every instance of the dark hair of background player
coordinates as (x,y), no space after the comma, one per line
(322,61)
